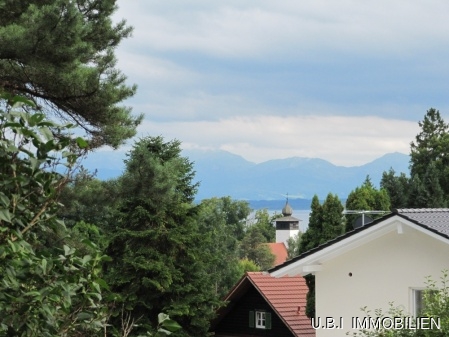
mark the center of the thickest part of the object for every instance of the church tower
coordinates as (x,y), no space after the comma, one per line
(287,226)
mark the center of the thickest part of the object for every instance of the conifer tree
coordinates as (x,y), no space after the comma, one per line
(427,191)
(430,145)
(156,245)
(60,54)
(332,218)
(325,223)
(428,185)
(397,188)
(311,237)
(429,158)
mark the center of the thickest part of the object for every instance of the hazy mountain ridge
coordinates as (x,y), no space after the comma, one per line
(221,173)
(300,177)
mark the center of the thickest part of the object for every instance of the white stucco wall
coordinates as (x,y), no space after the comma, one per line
(284,235)
(383,270)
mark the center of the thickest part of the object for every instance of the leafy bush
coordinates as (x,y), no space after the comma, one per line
(44,291)
(436,299)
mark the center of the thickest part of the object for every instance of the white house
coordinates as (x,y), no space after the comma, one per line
(385,261)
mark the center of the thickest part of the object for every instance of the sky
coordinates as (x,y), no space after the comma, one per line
(346,81)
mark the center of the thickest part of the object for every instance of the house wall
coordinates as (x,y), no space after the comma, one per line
(236,322)
(383,270)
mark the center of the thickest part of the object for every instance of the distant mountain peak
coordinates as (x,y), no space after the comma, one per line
(222,173)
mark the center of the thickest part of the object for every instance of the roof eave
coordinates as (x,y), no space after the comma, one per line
(311,263)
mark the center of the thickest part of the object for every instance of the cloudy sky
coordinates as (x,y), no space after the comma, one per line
(346,81)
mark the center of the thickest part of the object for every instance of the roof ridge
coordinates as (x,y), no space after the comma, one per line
(419,210)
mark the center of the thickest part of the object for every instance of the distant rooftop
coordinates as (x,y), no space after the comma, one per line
(280,251)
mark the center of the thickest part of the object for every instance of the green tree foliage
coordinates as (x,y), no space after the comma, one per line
(428,185)
(311,237)
(366,198)
(293,244)
(166,326)
(236,212)
(156,243)
(429,162)
(332,216)
(397,188)
(325,223)
(219,219)
(246,265)
(44,291)
(264,223)
(90,200)
(254,247)
(60,54)
(430,145)
(426,191)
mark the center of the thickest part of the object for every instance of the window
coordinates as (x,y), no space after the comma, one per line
(260,319)
(419,297)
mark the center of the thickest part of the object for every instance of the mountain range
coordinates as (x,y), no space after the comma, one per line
(221,173)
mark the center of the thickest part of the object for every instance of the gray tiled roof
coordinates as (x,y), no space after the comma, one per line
(434,219)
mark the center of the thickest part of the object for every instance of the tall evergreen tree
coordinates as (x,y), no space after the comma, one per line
(325,223)
(428,185)
(88,199)
(429,159)
(430,145)
(427,191)
(60,54)
(397,188)
(311,237)
(157,247)
(333,220)
(366,198)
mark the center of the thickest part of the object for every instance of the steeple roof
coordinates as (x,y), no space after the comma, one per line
(287,210)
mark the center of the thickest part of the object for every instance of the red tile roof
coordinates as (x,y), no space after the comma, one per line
(285,295)
(280,251)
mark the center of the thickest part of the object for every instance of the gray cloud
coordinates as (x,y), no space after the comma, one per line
(346,81)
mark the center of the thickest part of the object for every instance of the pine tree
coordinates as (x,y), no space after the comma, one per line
(60,54)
